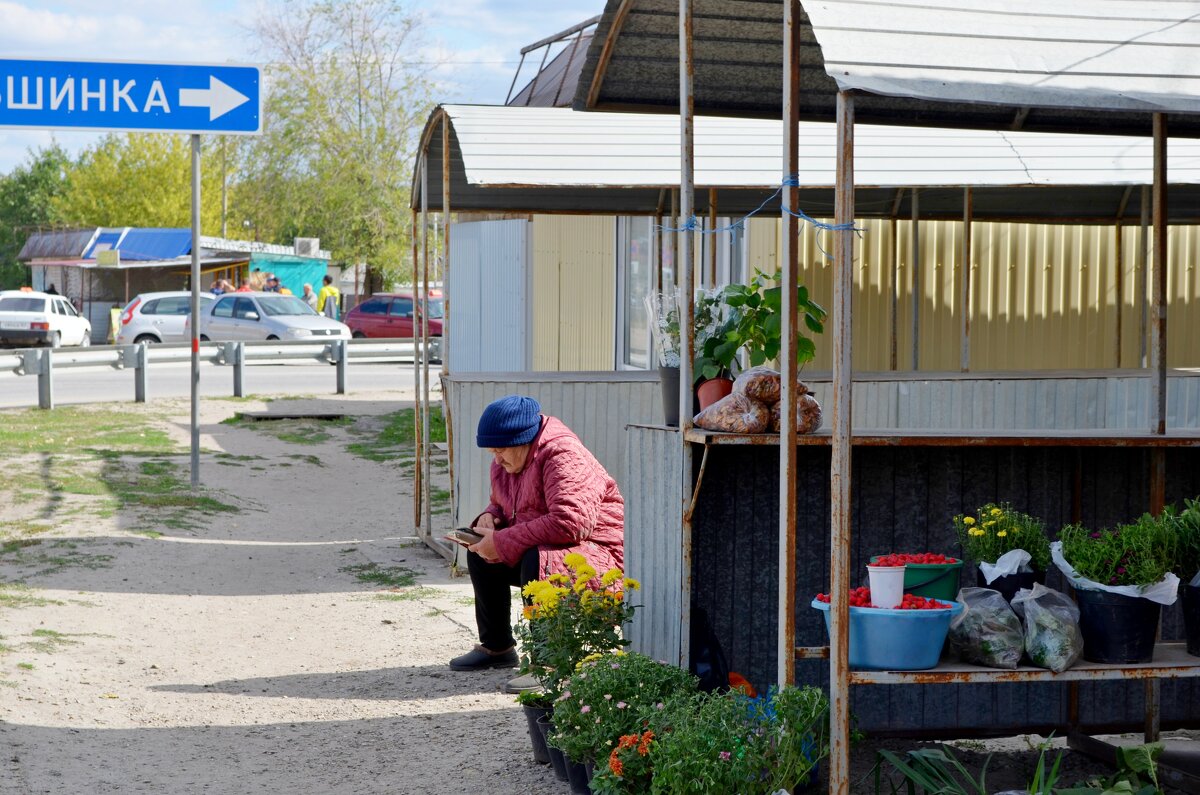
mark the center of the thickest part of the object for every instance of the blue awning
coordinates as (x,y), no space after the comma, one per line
(105,239)
(155,244)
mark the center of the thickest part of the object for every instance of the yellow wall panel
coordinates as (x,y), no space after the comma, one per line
(574,284)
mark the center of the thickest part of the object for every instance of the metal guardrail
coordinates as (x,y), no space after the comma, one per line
(42,362)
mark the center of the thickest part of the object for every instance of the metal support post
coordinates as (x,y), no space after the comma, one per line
(1158,318)
(235,355)
(915,267)
(964,359)
(141,370)
(45,371)
(340,354)
(195,311)
(684,266)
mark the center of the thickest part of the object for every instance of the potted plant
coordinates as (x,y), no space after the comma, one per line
(723,742)
(1187,566)
(609,696)
(1122,577)
(568,619)
(713,366)
(997,531)
(663,311)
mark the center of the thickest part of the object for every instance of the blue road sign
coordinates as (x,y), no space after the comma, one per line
(124,96)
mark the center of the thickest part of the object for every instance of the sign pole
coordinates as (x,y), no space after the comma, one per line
(195,311)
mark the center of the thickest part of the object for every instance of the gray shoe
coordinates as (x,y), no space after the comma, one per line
(479,658)
(526,683)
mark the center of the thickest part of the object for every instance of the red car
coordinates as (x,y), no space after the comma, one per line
(391,315)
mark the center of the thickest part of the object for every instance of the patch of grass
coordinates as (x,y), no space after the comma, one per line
(396,436)
(7,683)
(156,484)
(25,666)
(297,431)
(390,576)
(16,594)
(414,594)
(48,641)
(232,457)
(308,459)
(465,600)
(79,427)
(347,550)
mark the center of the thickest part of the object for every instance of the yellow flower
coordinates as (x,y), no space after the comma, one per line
(996,512)
(1002,533)
(977,532)
(558,579)
(583,574)
(968,520)
(610,576)
(632,584)
(573,560)
(990,523)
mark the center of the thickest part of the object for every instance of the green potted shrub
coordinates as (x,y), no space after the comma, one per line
(998,530)
(609,696)
(754,324)
(1122,577)
(1187,566)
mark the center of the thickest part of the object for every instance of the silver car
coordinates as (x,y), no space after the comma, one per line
(267,316)
(158,317)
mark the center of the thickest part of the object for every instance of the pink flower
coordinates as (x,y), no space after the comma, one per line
(659,705)
(724,755)
(608,696)
(585,709)
(621,705)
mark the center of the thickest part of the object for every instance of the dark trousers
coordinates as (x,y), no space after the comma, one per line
(491,582)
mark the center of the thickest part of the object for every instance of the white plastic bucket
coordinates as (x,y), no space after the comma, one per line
(887,585)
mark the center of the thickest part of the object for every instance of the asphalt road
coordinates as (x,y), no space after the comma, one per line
(101,385)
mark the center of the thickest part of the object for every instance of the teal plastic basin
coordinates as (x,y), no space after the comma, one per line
(895,640)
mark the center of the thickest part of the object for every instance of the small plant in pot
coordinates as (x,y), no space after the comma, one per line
(1122,577)
(996,530)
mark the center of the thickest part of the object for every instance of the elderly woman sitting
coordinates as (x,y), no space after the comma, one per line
(550,497)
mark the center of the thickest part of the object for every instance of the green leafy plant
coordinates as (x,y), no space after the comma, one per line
(730,742)
(934,771)
(567,620)
(1137,774)
(999,529)
(1139,553)
(612,695)
(1187,529)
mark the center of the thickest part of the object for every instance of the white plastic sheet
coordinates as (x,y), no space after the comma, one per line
(1165,591)
(1013,561)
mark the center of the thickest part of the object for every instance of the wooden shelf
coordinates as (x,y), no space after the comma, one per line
(1171,661)
(900,438)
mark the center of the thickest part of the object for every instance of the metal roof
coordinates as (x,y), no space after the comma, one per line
(63,244)
(155,244)
(559,160)
(554,84)
(1099,66)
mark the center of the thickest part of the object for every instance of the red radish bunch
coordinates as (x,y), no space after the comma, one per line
(904,558)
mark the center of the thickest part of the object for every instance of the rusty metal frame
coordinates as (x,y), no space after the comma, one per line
(964,360)
(447,414)
(418,473)
(423,387)
(684,266)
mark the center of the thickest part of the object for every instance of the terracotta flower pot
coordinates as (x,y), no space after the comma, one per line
(712,390)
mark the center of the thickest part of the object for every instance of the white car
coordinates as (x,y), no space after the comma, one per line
(159,317)
(29,318)
(267,316)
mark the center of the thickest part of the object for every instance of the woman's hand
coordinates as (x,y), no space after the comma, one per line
(486,548)
(485,520)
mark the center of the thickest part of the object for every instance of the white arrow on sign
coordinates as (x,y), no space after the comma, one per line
(218,98)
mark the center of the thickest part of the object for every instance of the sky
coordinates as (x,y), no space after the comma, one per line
(476,43)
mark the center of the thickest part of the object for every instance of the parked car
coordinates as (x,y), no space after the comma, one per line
(391,315)
(41,319)
(158,317)
(266,316)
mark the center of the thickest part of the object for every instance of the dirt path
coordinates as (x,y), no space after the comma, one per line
(296,644)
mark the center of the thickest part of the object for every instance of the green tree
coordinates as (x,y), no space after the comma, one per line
(140,179)
(27,203)
(345,105)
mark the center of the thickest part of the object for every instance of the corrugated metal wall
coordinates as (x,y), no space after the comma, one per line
(1042,296)
(654,541)
(595,405)
(489,295)
(574,292)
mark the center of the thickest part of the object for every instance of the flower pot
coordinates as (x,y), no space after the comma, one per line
(536,738)
(712,390)
(1191,618)
(668,378)
(557,760)
(1117,629)
(895,640)
(1009,584)
(578,778)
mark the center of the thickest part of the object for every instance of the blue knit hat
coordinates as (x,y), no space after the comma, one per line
(509,422)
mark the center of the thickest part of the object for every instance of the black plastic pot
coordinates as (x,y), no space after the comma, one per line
(557,760)
(1009,584)
(1191,618)
(536,738)
(1117,629)
(578,777)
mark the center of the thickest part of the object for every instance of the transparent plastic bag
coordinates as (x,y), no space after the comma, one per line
(734,413)
(808,415)
(1052,636)
(760,383)
(987,632)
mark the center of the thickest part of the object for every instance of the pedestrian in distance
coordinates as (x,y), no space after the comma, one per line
(328,299)
(310,297)
(550,498)
(50,290)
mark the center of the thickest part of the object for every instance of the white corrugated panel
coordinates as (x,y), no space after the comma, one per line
(514,146)
(489,308)
(1137,55)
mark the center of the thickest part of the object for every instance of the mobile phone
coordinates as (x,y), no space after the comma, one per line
(464,536)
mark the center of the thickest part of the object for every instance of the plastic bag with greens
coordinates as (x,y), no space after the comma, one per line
(1052,636)
(987,632)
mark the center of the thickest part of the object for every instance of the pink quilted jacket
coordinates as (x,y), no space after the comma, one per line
(562,501)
